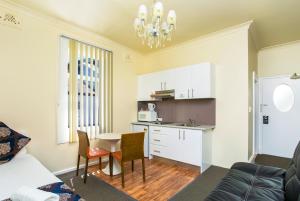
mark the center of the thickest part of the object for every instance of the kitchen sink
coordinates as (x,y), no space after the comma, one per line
(185,124)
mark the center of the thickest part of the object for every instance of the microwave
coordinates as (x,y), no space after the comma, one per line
(147,116)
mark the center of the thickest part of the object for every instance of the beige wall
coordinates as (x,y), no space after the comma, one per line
(279,60)
(29,83)
(228,50)
(252,62)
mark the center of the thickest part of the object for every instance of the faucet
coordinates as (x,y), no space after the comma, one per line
(191,122)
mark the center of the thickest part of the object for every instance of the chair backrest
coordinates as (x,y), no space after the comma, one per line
(292,178)
(84,143)
(132,146)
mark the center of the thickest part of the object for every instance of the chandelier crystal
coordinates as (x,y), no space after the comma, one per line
(155,32)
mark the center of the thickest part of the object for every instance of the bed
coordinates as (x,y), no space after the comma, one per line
(25,170)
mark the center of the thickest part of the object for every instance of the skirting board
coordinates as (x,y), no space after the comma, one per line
(70,169)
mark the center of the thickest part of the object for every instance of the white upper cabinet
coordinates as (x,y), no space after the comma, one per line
(189,82)
(182,76)
(202,79)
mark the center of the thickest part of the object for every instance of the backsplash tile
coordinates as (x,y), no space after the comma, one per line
(202,111)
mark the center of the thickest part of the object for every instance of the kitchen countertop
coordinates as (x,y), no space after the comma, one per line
(202,127)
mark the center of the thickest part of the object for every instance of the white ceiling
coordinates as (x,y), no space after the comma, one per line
(276,21)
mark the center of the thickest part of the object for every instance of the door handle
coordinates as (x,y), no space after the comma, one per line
(156,151)
(165,85)
(156,140)
(261,107)
(188,93)
(184,135)
(179,135)
(192,93)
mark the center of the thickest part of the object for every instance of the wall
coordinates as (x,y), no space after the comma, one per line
(279,60)
(252,67)
(29,82)
(228,50)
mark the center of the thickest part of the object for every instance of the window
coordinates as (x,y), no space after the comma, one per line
(85,90)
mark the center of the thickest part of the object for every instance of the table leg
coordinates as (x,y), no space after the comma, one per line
(116,165)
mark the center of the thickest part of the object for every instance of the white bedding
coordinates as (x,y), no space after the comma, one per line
(23,170)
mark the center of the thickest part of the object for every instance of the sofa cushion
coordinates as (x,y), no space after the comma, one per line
(11,142)
(246,181)
(292,178)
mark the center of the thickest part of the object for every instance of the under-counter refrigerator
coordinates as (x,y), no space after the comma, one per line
(141,128)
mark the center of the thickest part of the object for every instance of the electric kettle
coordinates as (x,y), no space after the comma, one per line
(151,106)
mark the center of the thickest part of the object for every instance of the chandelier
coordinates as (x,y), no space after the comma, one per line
(155,32)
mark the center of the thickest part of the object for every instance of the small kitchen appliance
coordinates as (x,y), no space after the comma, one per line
(151,107)
(147,116)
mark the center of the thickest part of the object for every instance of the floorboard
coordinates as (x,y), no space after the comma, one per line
(164,178)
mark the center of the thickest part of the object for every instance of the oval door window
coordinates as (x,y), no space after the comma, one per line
(283,98)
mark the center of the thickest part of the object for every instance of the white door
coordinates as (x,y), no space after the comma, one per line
(280,115)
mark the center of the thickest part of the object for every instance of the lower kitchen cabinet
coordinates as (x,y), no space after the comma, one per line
(185,145)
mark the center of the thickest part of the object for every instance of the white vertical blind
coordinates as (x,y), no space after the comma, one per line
(89,91)
(82,47)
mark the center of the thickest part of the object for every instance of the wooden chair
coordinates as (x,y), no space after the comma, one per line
(88,153)
(132,148)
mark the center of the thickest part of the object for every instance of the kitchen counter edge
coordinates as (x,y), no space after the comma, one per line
(203,127)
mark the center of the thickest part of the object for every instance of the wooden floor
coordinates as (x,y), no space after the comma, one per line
(164,178)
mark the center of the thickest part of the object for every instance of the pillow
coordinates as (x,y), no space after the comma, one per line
(11,142)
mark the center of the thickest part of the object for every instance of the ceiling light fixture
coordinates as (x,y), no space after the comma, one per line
(156,32)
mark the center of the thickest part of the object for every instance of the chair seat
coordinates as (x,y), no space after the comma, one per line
(96,153)
(117,155)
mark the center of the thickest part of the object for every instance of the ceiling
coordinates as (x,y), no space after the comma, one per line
(276,21)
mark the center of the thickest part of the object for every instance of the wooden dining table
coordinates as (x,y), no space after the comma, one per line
(112,139)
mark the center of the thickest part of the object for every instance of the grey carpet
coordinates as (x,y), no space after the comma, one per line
(263,159)
(199,189)
(95,189)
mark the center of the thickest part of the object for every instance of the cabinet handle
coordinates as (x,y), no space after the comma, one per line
(156,130)
(156,151)
(156,140)
(179,135)
(193,93)
(165,85)
(184,135)
(188,93)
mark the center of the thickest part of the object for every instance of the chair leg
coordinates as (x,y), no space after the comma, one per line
(111,165)
(132,165)
(86,169)
(122,172)
(100,164)
(78,162)
(144,174)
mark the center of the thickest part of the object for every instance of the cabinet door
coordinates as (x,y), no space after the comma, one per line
(170,79)
(191,147)
(182,83)
(148,84)
(144,88)
(156,80)
(202,79)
